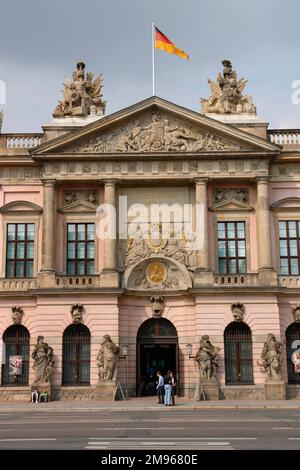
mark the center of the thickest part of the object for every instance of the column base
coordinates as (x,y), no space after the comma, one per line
(275,390)
(109,279)
(46,279)
(203,278)
(267,277)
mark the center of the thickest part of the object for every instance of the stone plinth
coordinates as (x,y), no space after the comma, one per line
(109,279)
(203,278)
(43,387)
(207,391)
(275,390)
(106,391)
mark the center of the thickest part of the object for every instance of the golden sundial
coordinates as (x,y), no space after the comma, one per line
(156,272)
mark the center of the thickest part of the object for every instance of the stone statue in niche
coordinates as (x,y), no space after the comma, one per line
(43,361)
(238,311)
(157,305)
(77,311)
(272,358)
(207,358)
(17,315)
(107,360)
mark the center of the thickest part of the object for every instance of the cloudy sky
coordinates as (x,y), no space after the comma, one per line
(40,42)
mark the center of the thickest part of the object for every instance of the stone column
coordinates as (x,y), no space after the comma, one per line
(202,273)
(264,247)
(47,273)
(109,276)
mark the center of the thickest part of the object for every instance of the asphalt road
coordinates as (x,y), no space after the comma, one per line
(166,429)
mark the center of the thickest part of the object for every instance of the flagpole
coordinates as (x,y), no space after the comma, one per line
(153,75)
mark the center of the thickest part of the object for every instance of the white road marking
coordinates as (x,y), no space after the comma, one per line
(179,438)
(134,429)
(282,429)
(29,439)
(294,438)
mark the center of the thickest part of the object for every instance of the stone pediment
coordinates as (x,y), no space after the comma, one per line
(79,206)
(230,199)
(155,126)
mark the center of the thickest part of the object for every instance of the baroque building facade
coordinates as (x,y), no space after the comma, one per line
(167,299)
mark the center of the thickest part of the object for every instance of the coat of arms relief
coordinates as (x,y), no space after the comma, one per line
(154,132)
(157,263)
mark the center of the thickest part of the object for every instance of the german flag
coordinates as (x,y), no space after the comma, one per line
(163,43)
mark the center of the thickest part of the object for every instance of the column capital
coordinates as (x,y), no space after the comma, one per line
(200,180)
(262,179)
(110,182)
(48,182)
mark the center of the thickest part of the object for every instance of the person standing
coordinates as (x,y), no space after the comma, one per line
(168,388)
(173,388)
(160,388)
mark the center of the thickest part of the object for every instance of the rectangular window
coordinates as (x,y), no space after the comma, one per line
(289,251)
(80,249)
(19,250)
(231,247)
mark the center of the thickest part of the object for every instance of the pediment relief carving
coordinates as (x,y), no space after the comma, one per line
(231,199)
(80,201)
(154,132)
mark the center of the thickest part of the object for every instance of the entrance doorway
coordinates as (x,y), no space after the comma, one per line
(157,349)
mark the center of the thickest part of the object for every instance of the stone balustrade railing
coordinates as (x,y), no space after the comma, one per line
(23,141)
(228,280)
(72,282)
(284,136)
(289,281)
(18,284)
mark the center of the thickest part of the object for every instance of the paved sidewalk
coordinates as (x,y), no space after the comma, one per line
(142,404)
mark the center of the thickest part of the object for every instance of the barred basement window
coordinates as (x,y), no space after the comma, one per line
(20,250)
(76,355)
(16,343)
(292,333)
(289,239)
(238,354)
(231,247)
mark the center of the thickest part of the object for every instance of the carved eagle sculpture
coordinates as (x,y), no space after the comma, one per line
(216,90)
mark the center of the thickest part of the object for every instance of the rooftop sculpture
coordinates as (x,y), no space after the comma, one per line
(82,95)
(227,94)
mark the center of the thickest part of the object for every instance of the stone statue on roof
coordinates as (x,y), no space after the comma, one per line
(227,94)
(82,95)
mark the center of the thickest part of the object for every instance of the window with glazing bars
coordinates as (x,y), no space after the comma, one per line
(80,249)
(231,247)
(289,239)
(20,250)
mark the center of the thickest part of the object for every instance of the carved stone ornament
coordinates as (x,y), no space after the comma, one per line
(157,305)
(71,196)
(107,360)
(238,311)
(82,95)
(156,132)
(17,315)
(272,358)
(139,247)
(230,195)
(296,313)
(1,119)
(77,311)
(43,361)
(227,94)
(157,273)
(207,358)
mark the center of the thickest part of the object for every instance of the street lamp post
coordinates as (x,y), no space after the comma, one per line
(124,355)
(189,351)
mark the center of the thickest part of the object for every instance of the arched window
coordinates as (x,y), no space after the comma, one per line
(15,343)
(292,333)
(76,355)
(238,354)
(157,327)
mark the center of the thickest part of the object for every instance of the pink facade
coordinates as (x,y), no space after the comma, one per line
(197,303)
